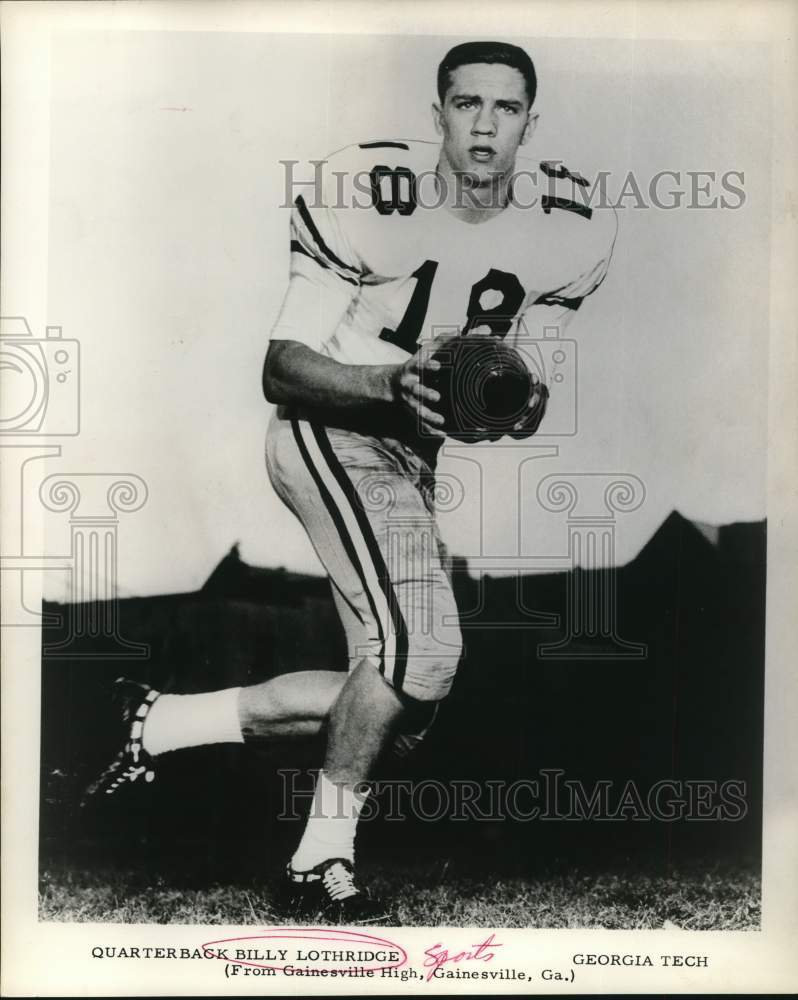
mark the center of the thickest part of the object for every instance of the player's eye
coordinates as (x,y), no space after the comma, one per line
(465,104)
(509,108)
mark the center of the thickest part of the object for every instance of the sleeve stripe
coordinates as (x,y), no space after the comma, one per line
(384,145)
(552,299)
(308,220)
(296,247)
(549,202)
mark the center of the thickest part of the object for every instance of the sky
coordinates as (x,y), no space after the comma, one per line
(168,262)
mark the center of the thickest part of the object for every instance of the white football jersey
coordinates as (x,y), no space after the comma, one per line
(377,267)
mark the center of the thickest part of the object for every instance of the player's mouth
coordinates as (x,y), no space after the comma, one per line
(482,154)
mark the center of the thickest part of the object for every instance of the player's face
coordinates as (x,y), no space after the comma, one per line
(485,117)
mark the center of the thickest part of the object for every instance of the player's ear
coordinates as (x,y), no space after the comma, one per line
(437,118)
(529,128)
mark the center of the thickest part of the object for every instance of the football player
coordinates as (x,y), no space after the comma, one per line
(402,242)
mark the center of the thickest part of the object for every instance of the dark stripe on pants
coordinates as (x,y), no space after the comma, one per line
(346,539)
(348,488)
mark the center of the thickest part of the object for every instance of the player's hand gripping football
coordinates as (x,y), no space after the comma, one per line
(418,385)
(416,398)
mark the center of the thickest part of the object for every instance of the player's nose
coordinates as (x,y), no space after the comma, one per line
(484,123)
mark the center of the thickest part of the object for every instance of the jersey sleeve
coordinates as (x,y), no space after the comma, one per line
(324,277)
(550,313)
(593,256)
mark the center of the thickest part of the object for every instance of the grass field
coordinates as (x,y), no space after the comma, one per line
(694,898)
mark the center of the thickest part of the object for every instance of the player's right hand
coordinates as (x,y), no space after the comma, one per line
(413,396)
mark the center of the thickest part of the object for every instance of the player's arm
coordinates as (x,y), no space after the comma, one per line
(324,280)
(295,373)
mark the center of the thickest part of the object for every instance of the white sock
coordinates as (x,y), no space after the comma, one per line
(332,824)
(191,720)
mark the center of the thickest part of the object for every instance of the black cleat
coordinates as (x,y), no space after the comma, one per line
(132,761)
(330,892)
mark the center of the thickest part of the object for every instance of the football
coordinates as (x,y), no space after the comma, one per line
(484,386)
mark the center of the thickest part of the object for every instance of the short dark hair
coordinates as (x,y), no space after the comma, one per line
(487,52)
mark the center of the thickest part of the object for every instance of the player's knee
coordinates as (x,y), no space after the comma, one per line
(418,715)
(432,665)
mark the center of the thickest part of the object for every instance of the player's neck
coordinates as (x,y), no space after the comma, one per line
(467,202)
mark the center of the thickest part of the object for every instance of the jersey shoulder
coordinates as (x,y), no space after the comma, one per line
(364,175)
(555,184)
(375,189)
(382,175)
(572,204)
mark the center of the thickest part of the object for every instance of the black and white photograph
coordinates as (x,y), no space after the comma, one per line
(398,436)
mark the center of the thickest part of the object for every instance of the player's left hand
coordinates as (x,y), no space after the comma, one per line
(480,434)
(536,409)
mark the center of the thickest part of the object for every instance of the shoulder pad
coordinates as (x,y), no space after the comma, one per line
(380,174)
(554,187)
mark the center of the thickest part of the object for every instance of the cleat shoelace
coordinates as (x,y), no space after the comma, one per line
(132,761)
(339,881)
(130,774)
